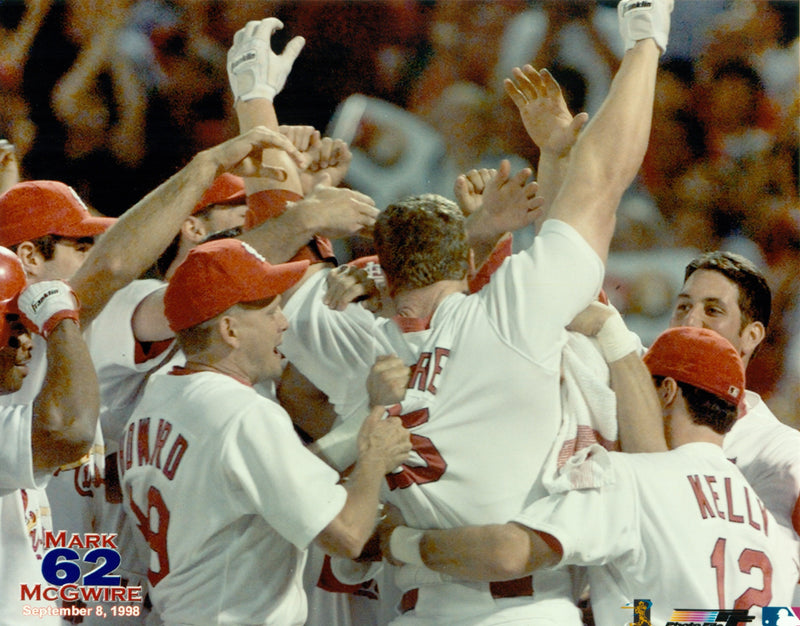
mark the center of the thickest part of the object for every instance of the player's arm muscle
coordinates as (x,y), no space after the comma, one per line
(488,553)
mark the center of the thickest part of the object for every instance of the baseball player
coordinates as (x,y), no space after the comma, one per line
(517,321)
(265,496)
(52,232)
(727,293)
(683,528)
(55,428)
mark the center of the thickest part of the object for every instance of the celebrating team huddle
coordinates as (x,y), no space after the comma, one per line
(491,444)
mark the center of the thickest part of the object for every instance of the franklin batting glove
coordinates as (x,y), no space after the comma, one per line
(644,19)
(254,70)
(44,304)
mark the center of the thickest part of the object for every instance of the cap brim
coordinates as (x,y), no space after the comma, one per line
(278,279)
(89,227)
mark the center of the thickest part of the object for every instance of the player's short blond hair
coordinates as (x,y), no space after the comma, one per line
(421,240)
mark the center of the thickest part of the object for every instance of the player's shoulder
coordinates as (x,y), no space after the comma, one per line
(760,428)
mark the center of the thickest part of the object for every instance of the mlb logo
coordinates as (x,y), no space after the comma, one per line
(780,616)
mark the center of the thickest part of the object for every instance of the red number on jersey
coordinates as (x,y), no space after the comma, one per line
(156,537)
(424,447)
(748,560)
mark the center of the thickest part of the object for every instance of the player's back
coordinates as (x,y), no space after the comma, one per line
(702,539)
(483,417)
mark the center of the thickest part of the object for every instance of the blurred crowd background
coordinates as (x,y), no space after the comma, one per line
(113,96)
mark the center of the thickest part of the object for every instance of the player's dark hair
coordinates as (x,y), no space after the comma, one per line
(159,270)
(46,244)
(421,240)
(705,408)
(755,298)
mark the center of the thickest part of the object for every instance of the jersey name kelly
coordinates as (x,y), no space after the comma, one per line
(136,447)
(720,499)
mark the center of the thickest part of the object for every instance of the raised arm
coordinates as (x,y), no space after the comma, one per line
(641,428)
(256,76)
(143,232)
(66,409)
(9,166)
(549,124)
(609,151)
(507,203)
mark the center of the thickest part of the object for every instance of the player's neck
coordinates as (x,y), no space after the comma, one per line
(422,302)
(220,367)
(683,430)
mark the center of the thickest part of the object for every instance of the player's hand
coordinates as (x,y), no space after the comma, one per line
(509,203)
(347,284)
(391,519)
(242,155)
(303,137)
(329,157)
(254,70)
(9,166)
(384,440)
(469,188)
(387,380)
(46,303)
(334,212)
(589,321)
(543,110)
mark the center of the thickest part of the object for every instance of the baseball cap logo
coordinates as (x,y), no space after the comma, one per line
(253,251)
(733,391)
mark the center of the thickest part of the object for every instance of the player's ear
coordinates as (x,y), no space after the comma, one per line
(194,229)
(31,259)
(667,392)
(228,332)
(752,335)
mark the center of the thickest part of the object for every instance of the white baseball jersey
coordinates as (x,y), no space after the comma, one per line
(682,528)
(77,493)
(226,499)
(24,517)
(767,452)
(482,403)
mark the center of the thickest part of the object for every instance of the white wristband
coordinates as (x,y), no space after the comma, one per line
(615,340)
(404,545)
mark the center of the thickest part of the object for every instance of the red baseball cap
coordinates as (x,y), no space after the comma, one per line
(226,189)
(218,274)
(36,208)
(699,357)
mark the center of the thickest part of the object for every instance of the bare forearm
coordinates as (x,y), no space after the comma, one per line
(486,553)
(141,235)
(350,530)
(641,428)
(550,174)
(607,156)
(261,112)
(279,238)
(65,411)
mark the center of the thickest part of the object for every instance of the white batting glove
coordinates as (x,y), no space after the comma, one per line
(644,19)
(254,70)
(44,304)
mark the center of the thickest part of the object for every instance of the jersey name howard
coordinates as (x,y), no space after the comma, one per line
(157,453)
(724,500)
